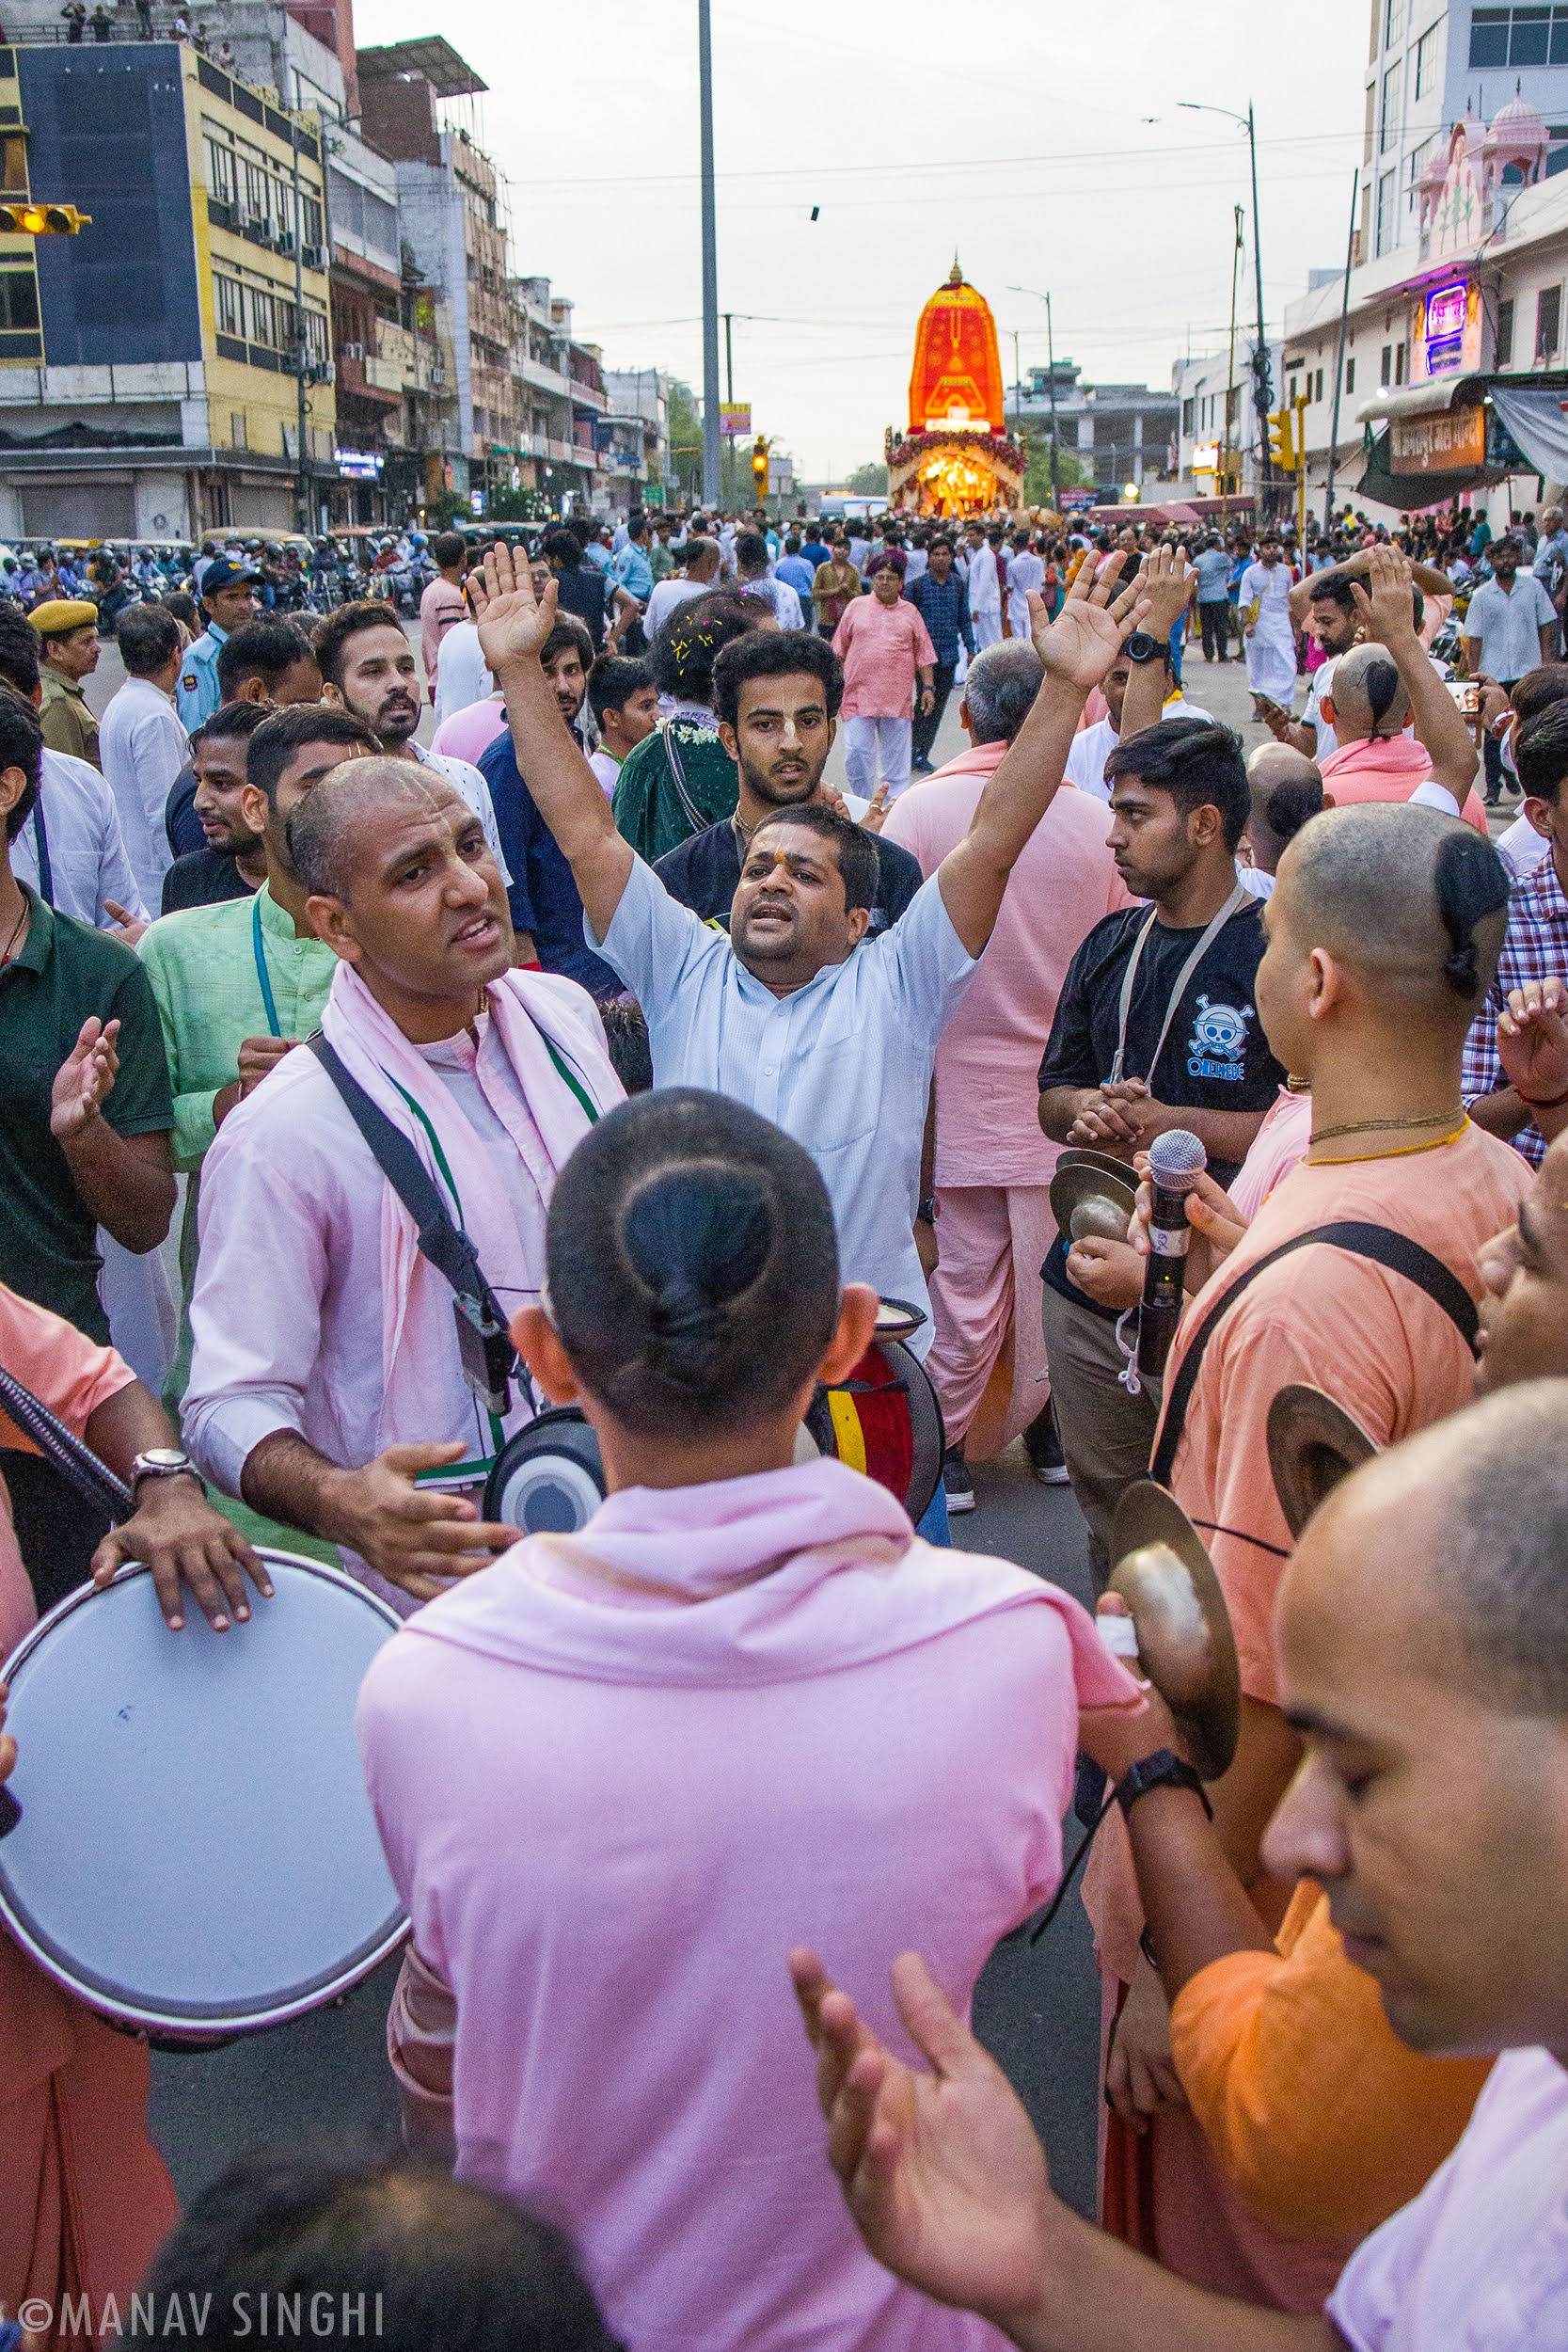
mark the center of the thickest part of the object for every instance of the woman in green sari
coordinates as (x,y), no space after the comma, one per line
(680,779)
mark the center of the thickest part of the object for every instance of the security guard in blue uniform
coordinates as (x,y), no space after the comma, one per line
(228,600)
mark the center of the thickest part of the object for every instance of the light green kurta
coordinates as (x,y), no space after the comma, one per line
(202,968)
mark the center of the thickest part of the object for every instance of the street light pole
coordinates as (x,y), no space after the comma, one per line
(711,443)
(1340,357)
(1262,382)
(1050,387)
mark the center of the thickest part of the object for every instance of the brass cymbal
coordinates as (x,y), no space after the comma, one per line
(1186,1646)
(1313,1444)
(1092,1194)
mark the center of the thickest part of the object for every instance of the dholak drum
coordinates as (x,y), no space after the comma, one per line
(196,1856)
(883,1419)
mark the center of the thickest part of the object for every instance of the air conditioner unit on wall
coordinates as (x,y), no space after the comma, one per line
(313,257)
(351,351)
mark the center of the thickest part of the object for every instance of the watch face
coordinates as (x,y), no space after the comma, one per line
(162,1457)
(1141,647)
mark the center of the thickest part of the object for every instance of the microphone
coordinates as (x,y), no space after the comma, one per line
(1176,1160)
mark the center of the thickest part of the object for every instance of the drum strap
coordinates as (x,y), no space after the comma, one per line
(1381,1243)
(489,1361)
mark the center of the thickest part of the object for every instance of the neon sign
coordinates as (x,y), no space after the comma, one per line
(1447,308)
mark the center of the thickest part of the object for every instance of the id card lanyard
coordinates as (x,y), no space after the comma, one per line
(258,949)
(1237,899)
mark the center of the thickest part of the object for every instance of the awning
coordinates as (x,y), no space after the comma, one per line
(1410,492)
(1419,399)
(1538,420)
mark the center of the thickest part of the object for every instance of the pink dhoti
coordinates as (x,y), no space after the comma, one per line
(987,1356)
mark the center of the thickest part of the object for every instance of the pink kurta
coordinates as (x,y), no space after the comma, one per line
(619,1775)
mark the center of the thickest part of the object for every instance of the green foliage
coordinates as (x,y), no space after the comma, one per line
(446,507)
(868,482)
(685,442)
(1037,476)
(517,506)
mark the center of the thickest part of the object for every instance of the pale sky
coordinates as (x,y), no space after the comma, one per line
(914,129)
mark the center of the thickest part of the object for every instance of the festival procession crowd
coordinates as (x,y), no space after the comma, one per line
(598,1077)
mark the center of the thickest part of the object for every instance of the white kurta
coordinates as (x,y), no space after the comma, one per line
(1271,650)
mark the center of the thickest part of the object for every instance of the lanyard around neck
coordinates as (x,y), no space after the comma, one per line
(1238,898)
(259,951)
(40,842)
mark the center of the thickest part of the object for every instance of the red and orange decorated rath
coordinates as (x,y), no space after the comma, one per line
(956,457)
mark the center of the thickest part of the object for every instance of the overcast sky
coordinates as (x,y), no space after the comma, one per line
(1014,132)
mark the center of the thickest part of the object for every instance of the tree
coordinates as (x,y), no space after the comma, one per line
(1037,474)
(686,441)
(868,482)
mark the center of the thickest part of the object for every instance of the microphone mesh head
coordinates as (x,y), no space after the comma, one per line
(1175,1159)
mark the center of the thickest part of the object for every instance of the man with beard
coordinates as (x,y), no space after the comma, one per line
(777,695)
(832,1040)
(368,667)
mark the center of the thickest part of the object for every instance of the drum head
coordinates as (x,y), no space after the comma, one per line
(549,1480)
(197,1853)
(1313,1444)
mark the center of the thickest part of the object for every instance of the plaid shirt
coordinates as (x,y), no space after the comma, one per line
(1535,947)
(944,606)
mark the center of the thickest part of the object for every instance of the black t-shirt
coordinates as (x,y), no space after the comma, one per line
(180,822)
(205,878)
(1215,1056)
(702,873)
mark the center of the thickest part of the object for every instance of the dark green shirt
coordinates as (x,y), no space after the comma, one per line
(64,973)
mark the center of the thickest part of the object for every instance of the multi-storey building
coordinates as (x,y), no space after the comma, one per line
(152,368)
(1120,433)
(1218,431)
(634,437)
(563,405)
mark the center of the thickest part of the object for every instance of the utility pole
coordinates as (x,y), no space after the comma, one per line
(729,395)
(1263,387)
(711,438)
(1340,357)
(1230,363)
(1051,380)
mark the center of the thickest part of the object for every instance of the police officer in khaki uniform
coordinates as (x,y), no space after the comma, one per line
(67,634)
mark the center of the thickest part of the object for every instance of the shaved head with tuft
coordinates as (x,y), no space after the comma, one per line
(1368,695)
(328,830)
(1414,902)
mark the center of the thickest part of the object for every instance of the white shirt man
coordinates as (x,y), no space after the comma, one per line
(1092,747)
(461,675)
(143,747)
(71,849)
(1025,570)
(985,593)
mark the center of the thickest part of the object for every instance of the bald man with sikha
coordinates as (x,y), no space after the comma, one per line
(1381,688)
(1422,1638)
(1382,932)
(1287,789)
(326,1382)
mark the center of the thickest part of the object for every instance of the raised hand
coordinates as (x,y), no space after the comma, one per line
(1169,582)
(1389,613)
(943,2172)
(1081,645)
(1532,1040)
(513,623)
(125,925)
(83,1079)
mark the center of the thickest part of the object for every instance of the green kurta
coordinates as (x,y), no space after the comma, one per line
(652,810)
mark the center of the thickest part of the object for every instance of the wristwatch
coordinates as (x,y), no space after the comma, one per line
(1165,1768)
(925,1209)
(1141,647)
(164,1461)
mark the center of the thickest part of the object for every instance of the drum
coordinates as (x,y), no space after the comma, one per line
(196,1857)
(883,1419)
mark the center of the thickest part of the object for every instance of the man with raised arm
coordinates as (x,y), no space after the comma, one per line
(789,1015)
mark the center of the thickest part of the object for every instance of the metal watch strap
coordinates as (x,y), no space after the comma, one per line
(1165,1768)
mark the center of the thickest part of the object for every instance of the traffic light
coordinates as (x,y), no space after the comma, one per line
(1282,440)
(759,467)
(42,220)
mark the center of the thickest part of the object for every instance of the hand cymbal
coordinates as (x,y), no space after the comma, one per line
(1186,1646)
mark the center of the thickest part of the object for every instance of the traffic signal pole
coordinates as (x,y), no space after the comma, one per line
(711,449)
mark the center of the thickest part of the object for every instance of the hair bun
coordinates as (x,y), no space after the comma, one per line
(1471,882)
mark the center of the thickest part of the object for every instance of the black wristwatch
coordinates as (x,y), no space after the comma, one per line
(925,1209)
(1162,1770)
(1142,647)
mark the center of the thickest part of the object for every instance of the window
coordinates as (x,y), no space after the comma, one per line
(1393,22)
(1386,365)
(1557,154)
(1388,119)
(1350,376)
(1388,212)
(1503,357)
(1187,417)
(228,306)
(256,191)
(1294,389)
(1519,37)
(263,318)
(1428,62)
(239,431)
(1399,362)
(1319,391)
(1548,313)
(19,299)
(220,172)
